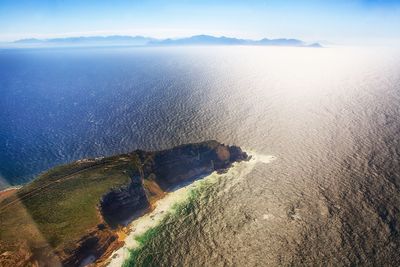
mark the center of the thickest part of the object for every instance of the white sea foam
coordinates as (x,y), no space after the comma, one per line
(164,206)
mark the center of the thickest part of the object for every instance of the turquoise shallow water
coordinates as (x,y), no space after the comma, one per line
(330,116)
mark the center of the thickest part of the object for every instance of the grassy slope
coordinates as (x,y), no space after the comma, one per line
(61,205)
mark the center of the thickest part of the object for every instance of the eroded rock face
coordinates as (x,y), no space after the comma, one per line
(236,154)
(91,247)
(189,162)
(119,206)
(169,169)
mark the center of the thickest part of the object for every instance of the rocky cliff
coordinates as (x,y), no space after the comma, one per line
(74,212)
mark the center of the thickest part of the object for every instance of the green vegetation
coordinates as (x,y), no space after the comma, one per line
(146,254)
(61,205)
(56,217)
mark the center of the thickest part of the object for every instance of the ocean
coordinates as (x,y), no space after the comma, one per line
(329,116)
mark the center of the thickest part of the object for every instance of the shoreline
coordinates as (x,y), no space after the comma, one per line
(9,190)
(167,205)
(13,187)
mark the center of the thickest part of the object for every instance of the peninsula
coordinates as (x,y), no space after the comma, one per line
(79,211)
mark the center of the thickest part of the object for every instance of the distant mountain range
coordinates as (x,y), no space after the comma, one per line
(112,40)
(118,40)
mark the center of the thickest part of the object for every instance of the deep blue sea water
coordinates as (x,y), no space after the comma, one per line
(330,116)
(62,105)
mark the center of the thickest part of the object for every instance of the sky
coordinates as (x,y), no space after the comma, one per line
(332,21)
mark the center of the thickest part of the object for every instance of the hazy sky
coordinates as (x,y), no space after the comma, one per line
(337,21)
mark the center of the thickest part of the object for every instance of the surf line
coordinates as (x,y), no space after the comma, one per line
(165,205)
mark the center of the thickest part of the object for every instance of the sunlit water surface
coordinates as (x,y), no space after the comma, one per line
(330,117)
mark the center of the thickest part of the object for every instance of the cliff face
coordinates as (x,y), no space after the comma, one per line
(120,187)
(100,242)
(185,163)
(168,169)
(122,204)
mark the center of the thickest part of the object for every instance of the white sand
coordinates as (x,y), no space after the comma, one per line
(164,205)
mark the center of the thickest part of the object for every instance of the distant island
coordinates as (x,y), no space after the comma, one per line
(75,214)
(118,40)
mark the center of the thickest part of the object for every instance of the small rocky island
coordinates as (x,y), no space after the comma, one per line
(78,211)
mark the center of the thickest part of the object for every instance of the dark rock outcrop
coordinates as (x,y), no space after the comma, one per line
(91,247)
(123,204)
(186,163)
(169,169)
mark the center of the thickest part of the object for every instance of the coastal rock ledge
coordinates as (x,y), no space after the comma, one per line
(75,214)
